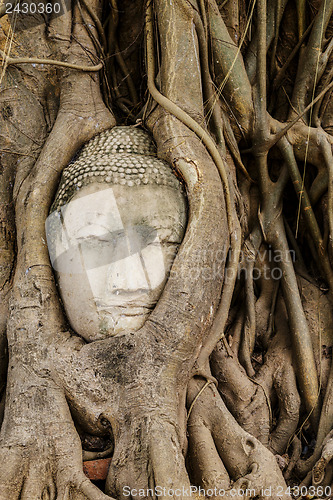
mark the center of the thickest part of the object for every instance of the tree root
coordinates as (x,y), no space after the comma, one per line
(34,60)
(40,456)
(321,469)
(250,400)
(223,454)
(142,397)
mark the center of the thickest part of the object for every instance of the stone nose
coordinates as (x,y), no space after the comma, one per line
(128,274)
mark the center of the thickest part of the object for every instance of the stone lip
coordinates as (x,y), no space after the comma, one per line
(97,470)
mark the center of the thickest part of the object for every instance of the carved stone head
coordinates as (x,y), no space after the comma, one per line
(114,229)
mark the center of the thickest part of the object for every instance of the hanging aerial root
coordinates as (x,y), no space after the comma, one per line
(310,219)
(275,11)
(271,220)
(231,77)
(97,22)
(328,156)
(233,222)
(309,63)
(212,98)
(274,233)
(184,117)
(281,72)
(33,60)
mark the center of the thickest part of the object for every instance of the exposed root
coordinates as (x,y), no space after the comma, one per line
(135,385)
(220,448)
(250,400)
(320,469)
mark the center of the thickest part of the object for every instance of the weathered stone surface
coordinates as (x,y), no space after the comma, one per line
(112,245)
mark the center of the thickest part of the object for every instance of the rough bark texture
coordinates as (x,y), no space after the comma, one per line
(228,385)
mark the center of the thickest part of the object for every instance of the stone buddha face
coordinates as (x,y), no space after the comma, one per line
(113,243)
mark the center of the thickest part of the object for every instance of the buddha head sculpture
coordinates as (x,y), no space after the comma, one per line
(113,231)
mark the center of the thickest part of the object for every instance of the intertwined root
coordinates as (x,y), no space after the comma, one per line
(223,455)
(39,479)
(250,400)
(41,455)
(322,472)
(147,455)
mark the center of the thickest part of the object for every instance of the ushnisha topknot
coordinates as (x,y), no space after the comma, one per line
(121,155)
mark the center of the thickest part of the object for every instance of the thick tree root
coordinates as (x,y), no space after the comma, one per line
(41,458)
(135,385)
(225,456)
(250,399)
